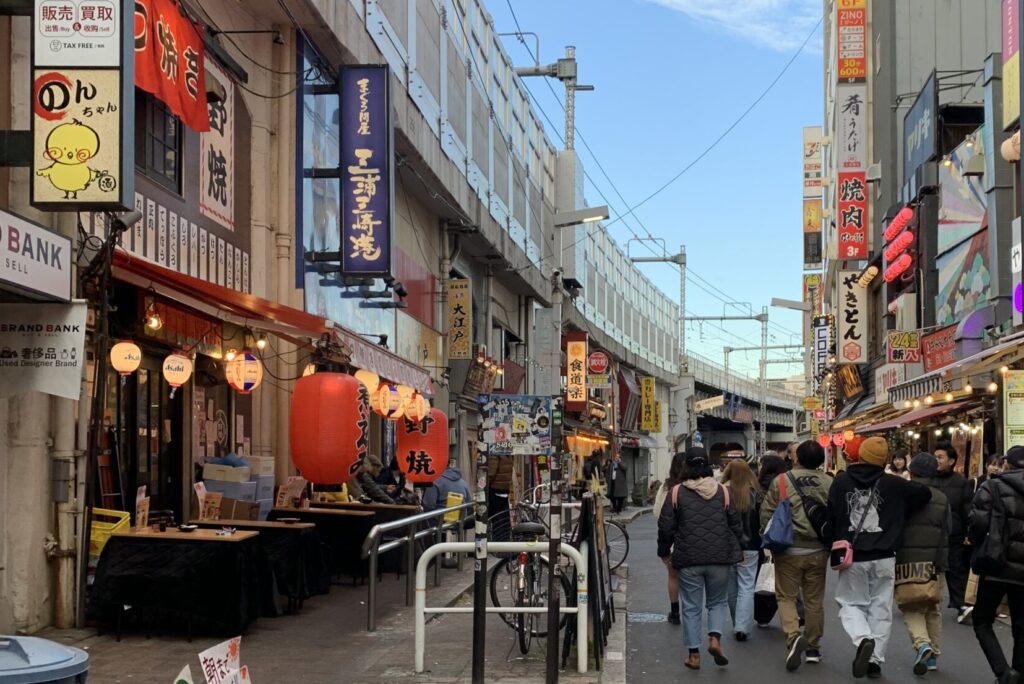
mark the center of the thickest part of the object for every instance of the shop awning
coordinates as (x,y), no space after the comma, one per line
(1007,351)
(920,415)
(245,309)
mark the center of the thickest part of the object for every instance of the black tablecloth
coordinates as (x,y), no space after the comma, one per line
(342,538)
(217,583)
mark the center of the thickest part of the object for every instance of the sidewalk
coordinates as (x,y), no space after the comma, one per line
(327,642)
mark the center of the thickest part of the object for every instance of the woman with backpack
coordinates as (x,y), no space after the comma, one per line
(699,533)
(995,528)
(675,476)
(746,498)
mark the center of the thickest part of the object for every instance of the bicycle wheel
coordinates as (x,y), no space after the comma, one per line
(525,597)
(503,591)
(616,543)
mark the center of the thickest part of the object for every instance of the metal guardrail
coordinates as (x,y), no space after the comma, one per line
(578,557)
(372,548)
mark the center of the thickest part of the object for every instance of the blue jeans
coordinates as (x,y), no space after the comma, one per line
(741,593)
(695,584)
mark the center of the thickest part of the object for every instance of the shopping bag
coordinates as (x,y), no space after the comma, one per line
(971,595)
(766,579)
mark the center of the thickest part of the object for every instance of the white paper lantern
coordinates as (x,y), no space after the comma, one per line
(244,373)
(125,357)
(368,378)
(177,370)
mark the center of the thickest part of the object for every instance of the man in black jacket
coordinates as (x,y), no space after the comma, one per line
(868,509)
(996,531)
(958,492)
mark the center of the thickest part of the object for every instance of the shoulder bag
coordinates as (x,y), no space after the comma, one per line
(842,550)
(816,512)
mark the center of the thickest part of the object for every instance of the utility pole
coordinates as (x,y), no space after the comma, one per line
(762,438)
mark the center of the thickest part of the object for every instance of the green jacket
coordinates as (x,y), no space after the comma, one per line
(925,537)
(814,484)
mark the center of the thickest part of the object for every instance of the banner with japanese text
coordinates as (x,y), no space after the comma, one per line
(169,59)
(647,403)
(852,219)
(217,155)
(1011,66)
(812,161)
(576,371)
(657,417)
(904,346)
(852,326)
(366,165)
(822,340)
(851,40)
(460,319)
(852,130)
(42,349)
(812,233)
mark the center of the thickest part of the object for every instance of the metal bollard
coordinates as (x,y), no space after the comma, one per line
(371,600)
(438,538)
(410,567)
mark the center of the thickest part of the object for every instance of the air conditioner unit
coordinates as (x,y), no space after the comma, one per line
(906,311)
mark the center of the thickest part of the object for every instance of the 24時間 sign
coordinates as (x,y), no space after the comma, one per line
(366,174)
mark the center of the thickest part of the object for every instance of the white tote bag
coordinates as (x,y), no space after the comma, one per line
(766,579)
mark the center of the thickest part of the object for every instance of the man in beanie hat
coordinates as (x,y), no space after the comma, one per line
(868,509)
(920,562)
(1002,575)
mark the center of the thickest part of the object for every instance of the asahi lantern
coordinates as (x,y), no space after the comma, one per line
(125,357)
(177,370)
(422,447)
(244,373)
(329,427)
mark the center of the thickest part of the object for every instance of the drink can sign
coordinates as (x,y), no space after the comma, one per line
(598,362)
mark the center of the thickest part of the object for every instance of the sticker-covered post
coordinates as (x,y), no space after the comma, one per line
(480,558)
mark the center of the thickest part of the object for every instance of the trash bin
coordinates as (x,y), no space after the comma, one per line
(31,660)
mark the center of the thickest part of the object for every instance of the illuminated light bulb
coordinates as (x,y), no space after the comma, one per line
(928,400)
(310,369)
(993,387)
(947,161)
(949,396)
(916,403)
(1004,370)
(231,354)
(907,404)
(261,342)
(952,429)
(938,432)
(968,388)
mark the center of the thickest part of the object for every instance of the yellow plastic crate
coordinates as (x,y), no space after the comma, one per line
(104,523)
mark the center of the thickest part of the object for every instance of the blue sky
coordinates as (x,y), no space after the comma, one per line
(671,76)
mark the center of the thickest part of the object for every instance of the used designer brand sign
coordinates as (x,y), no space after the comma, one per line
(42,348)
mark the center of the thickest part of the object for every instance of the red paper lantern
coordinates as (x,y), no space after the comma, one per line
(853,448)
(838,439)
(330,418)
(422,447)
(825,440)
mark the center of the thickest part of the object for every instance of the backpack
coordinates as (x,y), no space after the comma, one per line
(817,513)
(778,534)
(675,495)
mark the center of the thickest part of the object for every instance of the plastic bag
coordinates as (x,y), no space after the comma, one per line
(766,578)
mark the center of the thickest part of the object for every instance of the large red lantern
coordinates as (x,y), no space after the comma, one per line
(330,418)
(422,447)
(853,448)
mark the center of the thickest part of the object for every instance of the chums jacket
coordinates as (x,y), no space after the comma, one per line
(884,512)
(925,537)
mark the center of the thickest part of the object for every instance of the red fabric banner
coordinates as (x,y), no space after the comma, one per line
(169,60)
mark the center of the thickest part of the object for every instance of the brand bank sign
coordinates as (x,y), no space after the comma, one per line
(34,260)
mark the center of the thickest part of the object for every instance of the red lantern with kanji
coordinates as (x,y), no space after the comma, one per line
(422,447)
(825,440)
(329,427)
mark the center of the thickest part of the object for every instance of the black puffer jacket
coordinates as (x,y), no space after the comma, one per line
(699,531)
(958,493)
(925,536)
(750,540)
(1009,487)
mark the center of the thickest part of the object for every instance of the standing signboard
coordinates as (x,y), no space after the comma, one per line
(852,337)
(83,102)
(516,424)
(1013,409)
(367,180)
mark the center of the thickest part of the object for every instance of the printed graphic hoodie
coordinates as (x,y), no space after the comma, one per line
(884,512)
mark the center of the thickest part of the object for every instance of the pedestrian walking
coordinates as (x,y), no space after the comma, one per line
(615,476)
(800,569)
(920,562)
(746,497)
(867,512)
(675,476)
(959,493)
(766,605)
(699,533)
(996,531)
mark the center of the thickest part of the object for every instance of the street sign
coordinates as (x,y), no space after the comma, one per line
(708,404)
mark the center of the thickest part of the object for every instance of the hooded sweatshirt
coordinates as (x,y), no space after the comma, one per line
(436,495)
(700,529)
(884,512)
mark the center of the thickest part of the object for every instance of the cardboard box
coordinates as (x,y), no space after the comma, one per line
(264,487)
(230,509)
(261,465)
(241,491)
(225,473)
(266,505)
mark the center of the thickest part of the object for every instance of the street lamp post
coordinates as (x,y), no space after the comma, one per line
(806,308)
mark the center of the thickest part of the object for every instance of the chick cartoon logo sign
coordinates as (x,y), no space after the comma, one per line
(82,156)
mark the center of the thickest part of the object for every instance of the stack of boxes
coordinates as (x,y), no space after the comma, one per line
(263,477)
(252,484)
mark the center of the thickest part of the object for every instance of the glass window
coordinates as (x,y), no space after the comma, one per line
(158,141)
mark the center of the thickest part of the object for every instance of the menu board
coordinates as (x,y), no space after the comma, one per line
(1013,408)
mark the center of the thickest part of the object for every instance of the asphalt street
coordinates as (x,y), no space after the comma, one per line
(656,651)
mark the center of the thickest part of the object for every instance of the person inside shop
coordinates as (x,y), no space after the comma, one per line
(392,479)
(959,493)
(615,476)
(898,465)
(363,487)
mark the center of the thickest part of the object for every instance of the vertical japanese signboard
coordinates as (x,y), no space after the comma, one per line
(852,326)
(82,106)
(366,170)
(920,140)
(812,161)
(217,155)
(813,292)
(851,40)
(812,233)
(576,371)
(169,58)
(1011,65)
(852,129)
(647,403)
(657,418)
(853,216)
(460,319)
(1013,409)
(821,347)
